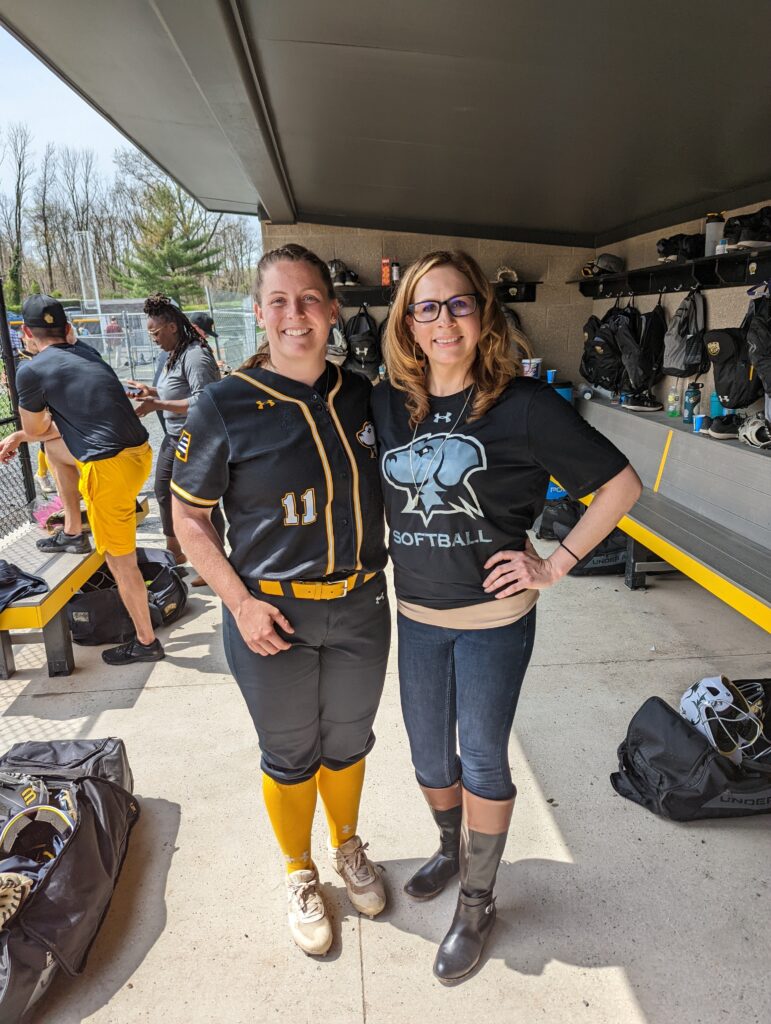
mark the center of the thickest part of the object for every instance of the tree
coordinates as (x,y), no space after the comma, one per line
(173,252)
(42,212)
(19,142)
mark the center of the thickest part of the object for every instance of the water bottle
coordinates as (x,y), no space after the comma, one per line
(692,400)
(673,401)
(715,408)
(713,232)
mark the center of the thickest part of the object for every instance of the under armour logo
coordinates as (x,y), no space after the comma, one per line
(261,405)
(380,597)
(361,352)
(442,417)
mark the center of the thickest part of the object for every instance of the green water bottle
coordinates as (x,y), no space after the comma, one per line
(691,402)
(673,401)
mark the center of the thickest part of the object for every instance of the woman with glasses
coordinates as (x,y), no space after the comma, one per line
(190,365)
(466,448)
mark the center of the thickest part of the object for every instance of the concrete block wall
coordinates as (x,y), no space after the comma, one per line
(553,323)
(725,307)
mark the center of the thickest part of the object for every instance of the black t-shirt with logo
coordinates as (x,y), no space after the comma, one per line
(298,476)
(88,403)
(460,492)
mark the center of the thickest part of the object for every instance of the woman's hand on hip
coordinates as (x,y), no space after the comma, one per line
(519,570)
(257,621)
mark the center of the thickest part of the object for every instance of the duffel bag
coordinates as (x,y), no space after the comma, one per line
(65,891)
(667,766)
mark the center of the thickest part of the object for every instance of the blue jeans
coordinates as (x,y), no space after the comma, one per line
(464,681)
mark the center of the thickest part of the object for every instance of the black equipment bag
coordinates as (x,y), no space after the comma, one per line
(364,354)
(667,766)
(601,362)
(607,559)
(640,338)
(58,920)
(562,512)
(684,351)
(747,227)
(683,247)
(758,321)
(736,381)
(97,615)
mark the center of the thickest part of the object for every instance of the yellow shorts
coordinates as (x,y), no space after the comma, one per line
(109,488)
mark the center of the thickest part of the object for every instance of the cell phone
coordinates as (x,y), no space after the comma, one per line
(132,392)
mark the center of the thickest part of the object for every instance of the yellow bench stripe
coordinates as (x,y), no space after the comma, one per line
(747,605)
(663,462)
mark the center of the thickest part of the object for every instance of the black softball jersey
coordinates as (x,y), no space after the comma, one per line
(296,468)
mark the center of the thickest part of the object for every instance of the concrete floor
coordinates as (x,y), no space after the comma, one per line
(607,914)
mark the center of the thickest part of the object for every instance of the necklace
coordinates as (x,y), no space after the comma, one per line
(419,486)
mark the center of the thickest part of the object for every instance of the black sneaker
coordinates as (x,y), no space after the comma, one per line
(706,425)
(725,428)
(351,277)
(644,402)
(65,543)
(127,654)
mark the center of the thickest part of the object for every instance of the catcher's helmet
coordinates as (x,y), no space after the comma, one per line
(18,792)
(720,711)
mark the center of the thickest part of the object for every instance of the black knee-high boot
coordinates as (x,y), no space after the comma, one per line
(480,855)
(429,880)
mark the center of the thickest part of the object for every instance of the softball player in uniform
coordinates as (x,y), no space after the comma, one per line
(288,446)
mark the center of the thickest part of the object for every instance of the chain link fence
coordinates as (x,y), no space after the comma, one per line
(123,342)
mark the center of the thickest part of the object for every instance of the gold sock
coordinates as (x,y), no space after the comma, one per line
(341,795)
(290,809)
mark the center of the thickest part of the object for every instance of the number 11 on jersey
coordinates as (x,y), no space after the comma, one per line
(308,499)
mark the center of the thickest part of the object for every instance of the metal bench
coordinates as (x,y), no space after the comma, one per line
(705,509)
(42,618)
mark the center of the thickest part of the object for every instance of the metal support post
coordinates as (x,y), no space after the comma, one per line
(9,361)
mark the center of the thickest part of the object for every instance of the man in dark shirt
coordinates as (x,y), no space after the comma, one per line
(68,387)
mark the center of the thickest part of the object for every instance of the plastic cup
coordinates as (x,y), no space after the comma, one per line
(531,367)
(698,421)
(551,376)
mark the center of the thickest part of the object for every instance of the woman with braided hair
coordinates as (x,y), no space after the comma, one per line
(190,366)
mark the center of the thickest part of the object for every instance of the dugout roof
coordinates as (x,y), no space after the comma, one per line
(573,123)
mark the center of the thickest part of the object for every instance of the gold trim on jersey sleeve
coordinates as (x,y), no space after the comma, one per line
(204,502)
(322,455)
(354,467)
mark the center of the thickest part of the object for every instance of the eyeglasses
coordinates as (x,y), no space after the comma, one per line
(459,305)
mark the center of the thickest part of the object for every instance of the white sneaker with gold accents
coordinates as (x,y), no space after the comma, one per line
(362,878)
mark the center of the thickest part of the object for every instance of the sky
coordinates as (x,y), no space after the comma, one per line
(34,95)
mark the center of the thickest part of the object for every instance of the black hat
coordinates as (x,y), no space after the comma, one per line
(43,311)
(205,322)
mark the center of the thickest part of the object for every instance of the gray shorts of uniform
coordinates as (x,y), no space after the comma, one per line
(315,704)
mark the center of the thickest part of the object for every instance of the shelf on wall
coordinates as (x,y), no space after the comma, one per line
(729,270)
(515,291)
(365,294)
(381,295)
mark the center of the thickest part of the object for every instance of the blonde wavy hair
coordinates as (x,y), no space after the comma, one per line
(499,352)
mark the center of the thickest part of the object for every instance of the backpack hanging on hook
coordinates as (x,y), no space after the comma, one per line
(684,351)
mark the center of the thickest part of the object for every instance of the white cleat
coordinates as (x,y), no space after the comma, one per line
(362,878)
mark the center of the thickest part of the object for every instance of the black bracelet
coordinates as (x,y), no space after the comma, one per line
(569,551)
